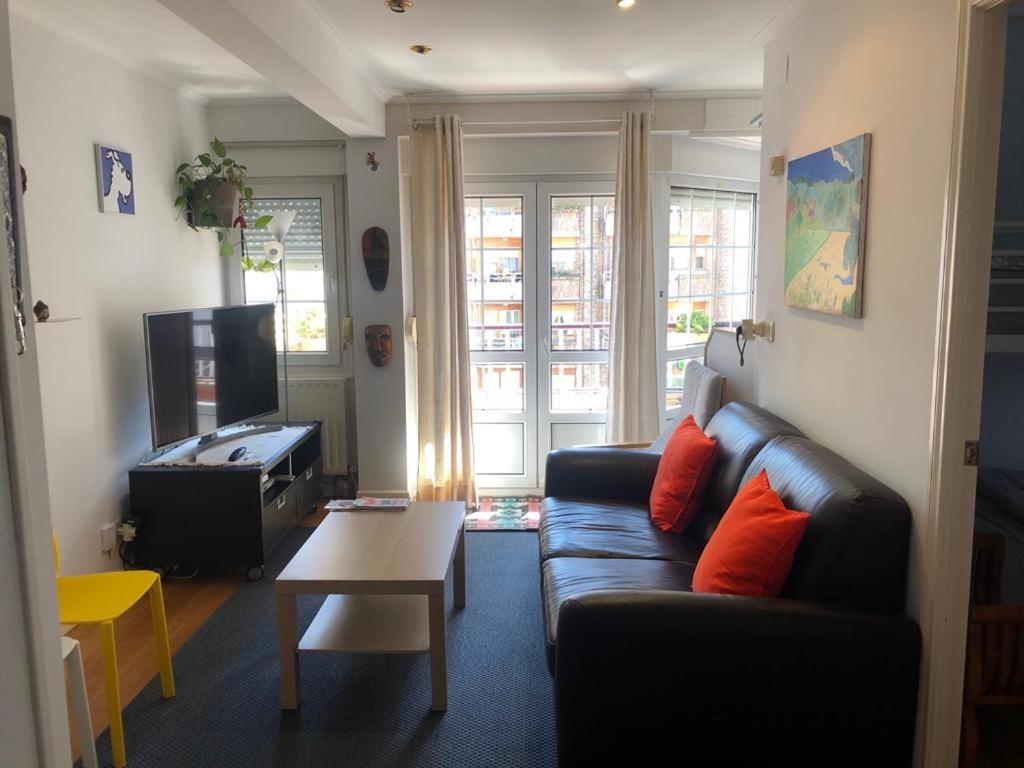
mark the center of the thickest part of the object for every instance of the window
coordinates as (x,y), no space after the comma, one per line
(582,229)
(309,274)
(494,272)
(710,281)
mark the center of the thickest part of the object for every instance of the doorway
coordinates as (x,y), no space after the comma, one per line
(538,277)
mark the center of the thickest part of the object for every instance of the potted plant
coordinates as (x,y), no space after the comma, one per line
(214,194)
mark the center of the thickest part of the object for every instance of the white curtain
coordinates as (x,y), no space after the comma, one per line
(445,463)
(633,368)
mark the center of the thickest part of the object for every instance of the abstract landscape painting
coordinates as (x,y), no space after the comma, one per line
(826,207)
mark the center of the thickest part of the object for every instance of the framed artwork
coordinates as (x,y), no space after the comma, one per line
(10,176)
(115,179)
(826,211)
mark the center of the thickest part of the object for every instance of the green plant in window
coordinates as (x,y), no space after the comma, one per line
(214,194)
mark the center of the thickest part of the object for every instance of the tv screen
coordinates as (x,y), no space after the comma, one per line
(209,368)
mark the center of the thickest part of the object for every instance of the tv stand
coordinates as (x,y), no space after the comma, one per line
(214,438)
(223,515)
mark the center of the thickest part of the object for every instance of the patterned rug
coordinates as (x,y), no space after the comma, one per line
(505,513)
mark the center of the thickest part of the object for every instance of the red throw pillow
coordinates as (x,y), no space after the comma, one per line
(751,551)
(682,476)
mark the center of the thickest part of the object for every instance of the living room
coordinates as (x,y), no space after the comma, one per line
(441,209)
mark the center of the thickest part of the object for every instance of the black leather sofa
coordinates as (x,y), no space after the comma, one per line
(648,673)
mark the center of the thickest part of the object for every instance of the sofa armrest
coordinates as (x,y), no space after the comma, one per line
(652,677)
(617,474)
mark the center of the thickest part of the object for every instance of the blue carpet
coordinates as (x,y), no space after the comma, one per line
(360,710)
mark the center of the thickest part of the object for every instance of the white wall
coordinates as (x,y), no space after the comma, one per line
(864,387)
(107,269)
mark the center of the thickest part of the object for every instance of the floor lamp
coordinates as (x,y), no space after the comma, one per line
(273,252)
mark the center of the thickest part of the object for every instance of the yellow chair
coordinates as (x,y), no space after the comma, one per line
(99,598)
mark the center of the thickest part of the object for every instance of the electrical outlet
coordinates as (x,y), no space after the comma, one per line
(108,537)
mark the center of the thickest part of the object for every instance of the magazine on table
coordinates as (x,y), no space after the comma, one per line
(368,504)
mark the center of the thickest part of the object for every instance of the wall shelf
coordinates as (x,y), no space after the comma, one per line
(54,320)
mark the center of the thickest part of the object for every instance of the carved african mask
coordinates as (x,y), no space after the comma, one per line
(378,344)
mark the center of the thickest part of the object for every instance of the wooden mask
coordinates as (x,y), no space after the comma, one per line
(378,344)
(376,257)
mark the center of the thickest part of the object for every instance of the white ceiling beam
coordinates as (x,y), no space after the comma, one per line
(289,43)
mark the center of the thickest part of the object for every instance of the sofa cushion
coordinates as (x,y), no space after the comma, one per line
(565,576)
(854,550)
(751,551)
(682,477)
(571,527)
(741,431)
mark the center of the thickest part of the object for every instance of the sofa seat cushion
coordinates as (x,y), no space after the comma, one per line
(563,577)
(604,529)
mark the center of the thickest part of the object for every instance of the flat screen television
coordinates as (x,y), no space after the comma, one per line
(209,368)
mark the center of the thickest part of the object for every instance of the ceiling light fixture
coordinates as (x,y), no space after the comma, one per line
(624,3)
(423,49)
(398,6)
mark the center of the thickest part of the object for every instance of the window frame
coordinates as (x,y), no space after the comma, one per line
(663,198)
(333,231)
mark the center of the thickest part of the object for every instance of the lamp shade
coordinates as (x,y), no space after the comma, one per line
(273,251)
(280,223)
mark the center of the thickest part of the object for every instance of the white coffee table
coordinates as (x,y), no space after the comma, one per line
(384,574)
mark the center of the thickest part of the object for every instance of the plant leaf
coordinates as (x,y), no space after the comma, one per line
(263,221)
(218,148)
(225,248)
(180,168)
(205,160)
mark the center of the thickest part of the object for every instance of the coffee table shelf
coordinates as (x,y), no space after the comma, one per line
(370,624)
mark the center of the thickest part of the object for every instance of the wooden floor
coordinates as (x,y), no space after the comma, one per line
(188,603)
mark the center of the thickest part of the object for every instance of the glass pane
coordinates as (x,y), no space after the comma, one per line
(305,281)
(502,222)
(474,226)
(260,287)
(498,387)
(582,233)
(688,322)
(579,387)
(603,222)
(307,327)
(494,272)
(570,222)
(503,275)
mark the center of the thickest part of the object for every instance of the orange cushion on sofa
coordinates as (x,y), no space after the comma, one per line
(682,476)
(751,551)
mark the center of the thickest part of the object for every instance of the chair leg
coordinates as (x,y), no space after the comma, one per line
(113,693)
(163,644)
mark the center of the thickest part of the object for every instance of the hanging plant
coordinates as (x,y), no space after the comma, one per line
(214,194)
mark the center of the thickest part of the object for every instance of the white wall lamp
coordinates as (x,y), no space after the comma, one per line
(273,252)
(748,330)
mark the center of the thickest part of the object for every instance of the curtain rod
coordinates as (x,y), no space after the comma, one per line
(428,121)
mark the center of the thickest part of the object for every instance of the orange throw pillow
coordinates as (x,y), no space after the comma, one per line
(751,551)
(683,474)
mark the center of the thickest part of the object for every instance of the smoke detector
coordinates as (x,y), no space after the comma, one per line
(398,6)
(422,49)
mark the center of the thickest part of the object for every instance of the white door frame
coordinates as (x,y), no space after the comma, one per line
(545,418)
(529,479)
(957,387)
(25,500)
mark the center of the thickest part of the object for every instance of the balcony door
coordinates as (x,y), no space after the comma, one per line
(539,292)
(501,260)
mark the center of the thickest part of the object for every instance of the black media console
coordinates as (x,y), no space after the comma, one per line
(223,515)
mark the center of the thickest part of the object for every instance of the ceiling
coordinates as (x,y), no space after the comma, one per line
(144,34)
(578,46)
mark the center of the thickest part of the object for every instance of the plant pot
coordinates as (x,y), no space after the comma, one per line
(223,203)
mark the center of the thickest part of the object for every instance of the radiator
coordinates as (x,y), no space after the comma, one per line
(325,400)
